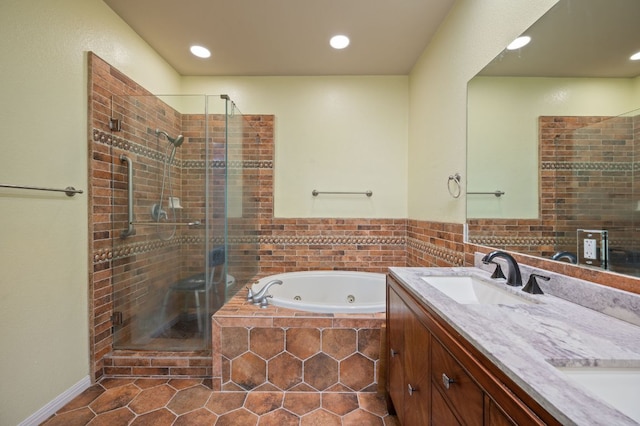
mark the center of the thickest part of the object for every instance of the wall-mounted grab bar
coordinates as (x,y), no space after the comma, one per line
(130,230)
(315,192)
(497,193)
(69,190)
(194,223)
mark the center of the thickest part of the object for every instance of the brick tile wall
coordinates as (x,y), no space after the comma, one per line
(282,244)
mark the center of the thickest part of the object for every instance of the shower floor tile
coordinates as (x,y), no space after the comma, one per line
(174,402)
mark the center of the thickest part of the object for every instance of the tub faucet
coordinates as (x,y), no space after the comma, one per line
(261,296)
(513,277)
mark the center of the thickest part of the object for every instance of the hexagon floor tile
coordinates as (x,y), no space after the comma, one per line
(176,402)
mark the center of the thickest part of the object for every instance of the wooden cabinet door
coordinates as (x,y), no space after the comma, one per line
(417,401)
(396,313)
(495,415)
(441,414)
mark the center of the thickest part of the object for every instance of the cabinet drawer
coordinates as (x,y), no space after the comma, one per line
(456,385)
(441,414)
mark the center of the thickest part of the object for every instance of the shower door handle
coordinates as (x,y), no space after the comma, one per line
(130,231)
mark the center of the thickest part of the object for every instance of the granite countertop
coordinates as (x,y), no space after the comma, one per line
(526,341)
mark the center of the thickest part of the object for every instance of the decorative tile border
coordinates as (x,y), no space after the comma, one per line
(329,239)
(122,143)
(493,241)
(563,165)
(125,144)
(453,257)
(107,254)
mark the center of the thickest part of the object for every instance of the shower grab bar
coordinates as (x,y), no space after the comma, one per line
(130,230)
(497,193)
(69,190)
(315,192)
(195,223)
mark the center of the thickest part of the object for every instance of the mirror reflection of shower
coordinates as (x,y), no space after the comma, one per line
(158,212)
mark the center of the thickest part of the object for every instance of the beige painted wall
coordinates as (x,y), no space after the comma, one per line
(503,133)
(43,121)
(473,34)
(333,134)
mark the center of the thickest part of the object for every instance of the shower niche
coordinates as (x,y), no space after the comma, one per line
(184,221)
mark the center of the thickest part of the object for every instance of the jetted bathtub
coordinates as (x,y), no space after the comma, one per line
(327,291)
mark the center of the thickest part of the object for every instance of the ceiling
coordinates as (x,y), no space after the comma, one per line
(577,38)
(286,37)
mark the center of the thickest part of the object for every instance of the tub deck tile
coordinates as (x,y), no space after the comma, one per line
(362,354)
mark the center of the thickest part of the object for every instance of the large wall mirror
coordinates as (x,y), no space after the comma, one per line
(553,148)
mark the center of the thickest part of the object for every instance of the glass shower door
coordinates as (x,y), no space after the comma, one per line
(160,265)
(184,217)
(240,166)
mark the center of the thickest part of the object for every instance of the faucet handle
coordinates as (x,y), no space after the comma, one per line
(497,273)
(532,285)
(264,302)
(249,294)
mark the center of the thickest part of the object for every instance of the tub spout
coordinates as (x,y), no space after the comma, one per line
(261,295)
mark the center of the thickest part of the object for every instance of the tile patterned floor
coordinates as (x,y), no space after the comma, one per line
(192,402)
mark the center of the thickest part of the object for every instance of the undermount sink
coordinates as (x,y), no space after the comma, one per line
(618,386)
(469,290)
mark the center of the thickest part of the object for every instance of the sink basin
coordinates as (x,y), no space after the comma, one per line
(619,387)
(470,290)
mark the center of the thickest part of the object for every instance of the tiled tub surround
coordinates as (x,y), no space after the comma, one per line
(289,350)
(523,341)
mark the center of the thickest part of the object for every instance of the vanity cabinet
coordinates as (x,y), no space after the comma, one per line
(436,377)
(409,379)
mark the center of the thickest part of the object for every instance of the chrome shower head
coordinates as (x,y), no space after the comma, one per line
(175,142)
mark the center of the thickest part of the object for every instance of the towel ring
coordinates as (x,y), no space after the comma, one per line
(457,189)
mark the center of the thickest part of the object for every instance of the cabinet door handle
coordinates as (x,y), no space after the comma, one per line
(446,381)
(394,352)
(411,389)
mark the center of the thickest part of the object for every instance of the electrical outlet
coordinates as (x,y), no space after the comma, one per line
(590,248)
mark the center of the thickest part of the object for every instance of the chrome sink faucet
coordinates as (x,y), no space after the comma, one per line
(261,296)
(513,277)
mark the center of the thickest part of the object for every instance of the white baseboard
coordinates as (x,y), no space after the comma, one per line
(57,403)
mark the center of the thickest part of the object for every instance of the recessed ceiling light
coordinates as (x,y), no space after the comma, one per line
(200,52)
(635,56)
(339,41)
(519,42)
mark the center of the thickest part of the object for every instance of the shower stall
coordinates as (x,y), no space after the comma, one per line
(184,211)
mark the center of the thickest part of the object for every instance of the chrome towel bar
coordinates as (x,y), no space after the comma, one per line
(315,192)
(69,190)
(497,193)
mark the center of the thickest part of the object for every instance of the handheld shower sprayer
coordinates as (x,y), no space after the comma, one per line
(157,212)
(176,142)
